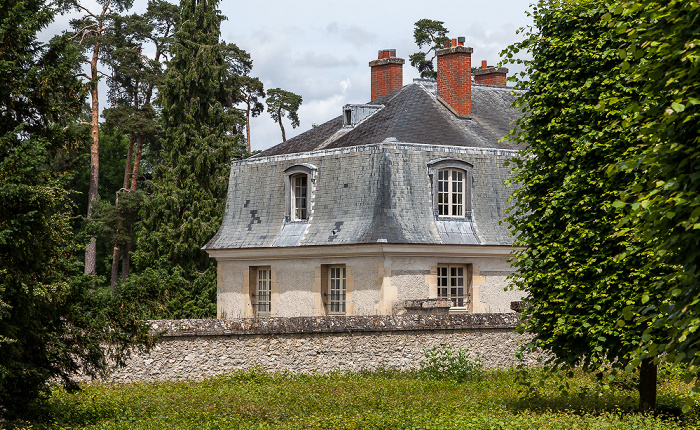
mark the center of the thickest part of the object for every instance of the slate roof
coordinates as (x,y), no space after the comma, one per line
(372,181)
(414,114)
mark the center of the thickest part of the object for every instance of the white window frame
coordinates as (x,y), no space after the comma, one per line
(444,198)
(451,278)
(293,173)
(262,291)
(451,193)
(300,194)
(337,289)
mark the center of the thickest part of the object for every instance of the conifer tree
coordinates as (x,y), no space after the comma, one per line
(281,103)
(52,322)
(189,185)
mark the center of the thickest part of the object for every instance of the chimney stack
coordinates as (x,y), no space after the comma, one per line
(387,73)
(454,76)
(489,75)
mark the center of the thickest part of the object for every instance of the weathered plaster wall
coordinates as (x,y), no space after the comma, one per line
(376,285)
(192,349)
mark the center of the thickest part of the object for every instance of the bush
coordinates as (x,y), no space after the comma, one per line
(448,362)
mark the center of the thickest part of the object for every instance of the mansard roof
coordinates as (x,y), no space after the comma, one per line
(372,181)
(413,114)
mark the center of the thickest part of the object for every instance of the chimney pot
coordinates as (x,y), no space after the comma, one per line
(483,64)
(454,78)
(461,40)
(447,44)
(386,72)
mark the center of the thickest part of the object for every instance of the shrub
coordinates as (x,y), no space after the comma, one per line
(448,362)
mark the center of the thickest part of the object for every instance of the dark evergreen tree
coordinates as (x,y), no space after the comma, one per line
(189,185)
(52,322)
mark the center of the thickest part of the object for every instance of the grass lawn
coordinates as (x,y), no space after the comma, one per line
(382,399)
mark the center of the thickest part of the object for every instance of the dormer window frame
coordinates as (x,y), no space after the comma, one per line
(299,185)
(354,114)
(451,167)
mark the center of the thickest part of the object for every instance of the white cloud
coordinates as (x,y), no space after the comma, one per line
(321,49)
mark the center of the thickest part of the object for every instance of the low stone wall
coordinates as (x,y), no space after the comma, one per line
(193,349)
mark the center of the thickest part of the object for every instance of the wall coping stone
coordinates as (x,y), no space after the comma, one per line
(332,324)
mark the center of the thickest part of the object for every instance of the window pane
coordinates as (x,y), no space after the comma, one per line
(337,289)
(451,284)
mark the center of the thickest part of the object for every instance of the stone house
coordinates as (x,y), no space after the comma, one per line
(381,210)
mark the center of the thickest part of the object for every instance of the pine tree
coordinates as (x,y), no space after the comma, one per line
(189,186)
(52,322)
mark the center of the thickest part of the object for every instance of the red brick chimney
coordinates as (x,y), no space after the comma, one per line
(387,73)
(490,75)
(454,76)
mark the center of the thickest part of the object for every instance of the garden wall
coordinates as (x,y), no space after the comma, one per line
(192,349)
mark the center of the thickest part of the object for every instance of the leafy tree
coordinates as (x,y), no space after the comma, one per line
(52,322)
(281,103)
(664,202)
(189,186)
(433,35)
(89,33)
(579,272)
(132,86)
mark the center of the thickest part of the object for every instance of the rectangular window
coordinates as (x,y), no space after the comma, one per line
(262,294)
(450,192)
(299,192)
(451,284)
(336,290)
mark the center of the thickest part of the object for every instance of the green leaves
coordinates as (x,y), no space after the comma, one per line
(431,34)
(586,277)
(281,103)
(189,185)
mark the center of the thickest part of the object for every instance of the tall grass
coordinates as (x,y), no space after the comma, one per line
(375,400)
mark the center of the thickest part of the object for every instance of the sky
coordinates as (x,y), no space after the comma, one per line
(320,49)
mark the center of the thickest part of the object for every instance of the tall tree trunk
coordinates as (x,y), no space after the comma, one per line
(126,259)
(247,126)
(647,385)
(279,115)
(137,163)
(115,267)
(91,249)
(125,183)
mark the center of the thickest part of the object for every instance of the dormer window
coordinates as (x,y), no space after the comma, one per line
(355,114)
(299,190)
(450,194)
(299,197)
(451,185)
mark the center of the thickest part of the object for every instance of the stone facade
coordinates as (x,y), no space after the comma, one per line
(195,349)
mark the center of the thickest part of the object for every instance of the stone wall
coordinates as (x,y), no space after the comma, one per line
(193,349)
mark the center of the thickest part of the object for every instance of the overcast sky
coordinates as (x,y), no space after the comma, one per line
(320,49)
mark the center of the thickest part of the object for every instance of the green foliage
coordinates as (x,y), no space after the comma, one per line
(281,103)
(664,203)
(381,399)
(448,362)
(584,277)
(431,34)
(53,323)
(188,190)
